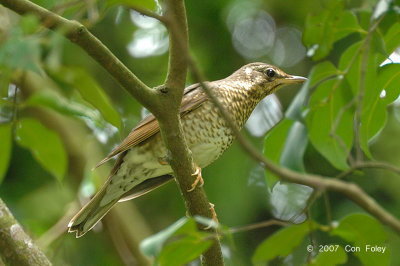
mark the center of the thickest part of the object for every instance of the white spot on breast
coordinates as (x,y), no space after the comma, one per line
(248,70)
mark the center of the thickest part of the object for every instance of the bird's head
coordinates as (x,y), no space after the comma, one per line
(266,78)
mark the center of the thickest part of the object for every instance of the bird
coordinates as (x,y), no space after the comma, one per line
(141,167)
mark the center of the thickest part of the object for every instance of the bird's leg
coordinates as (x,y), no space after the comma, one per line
(214,216)
(213,213)
(199,178)
(162,161)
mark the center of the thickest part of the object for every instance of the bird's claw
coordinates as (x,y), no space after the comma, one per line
(162,161)
(199,178)
(214,216)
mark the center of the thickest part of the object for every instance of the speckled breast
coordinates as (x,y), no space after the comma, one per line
(206,133)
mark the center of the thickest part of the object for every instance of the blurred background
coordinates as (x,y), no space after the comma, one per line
(56,90)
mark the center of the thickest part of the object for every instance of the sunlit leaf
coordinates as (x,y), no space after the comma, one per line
(322,71)
(380,8)
(288,201)
(327,27)
(347,24)
(350,61)
(44,144)
(183,251)
(294,148)
(319,29)
(57,102)
(152,245)
(374,112)
(90,91)
(5,149)
(280,243)
(372,121)
(329,258)
(330,121)
(208,222)
(274,143)
(378,45)
(295,109)
(391,38)
(265,116)
(389,80)
(365,232)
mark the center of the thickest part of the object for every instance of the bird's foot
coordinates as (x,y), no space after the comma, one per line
(214,216)
(162,161)
(199,178)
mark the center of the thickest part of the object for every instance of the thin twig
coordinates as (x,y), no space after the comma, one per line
(335,126)
(361,91)
(362,165)
(147,13)
(245,228)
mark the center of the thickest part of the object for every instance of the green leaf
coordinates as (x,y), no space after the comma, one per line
(21,52)
(391,38)
(288,201)
(152,244)
(347,24)
(56,101)
(319,30)
(331,138)
(90,91)
(44,144)
(273,145)
(29,24)
(327,27)
(295,109)
(330,258)
(294,148)
(322,71)
(149,4)
(350,61)
(281,243)
(5,149)
(364,231)
(183,251)
(389,80)
(374,112)
(378,45)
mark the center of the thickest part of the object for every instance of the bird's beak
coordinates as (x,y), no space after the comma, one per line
(292,80)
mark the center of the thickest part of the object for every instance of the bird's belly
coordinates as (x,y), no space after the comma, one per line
(206,134)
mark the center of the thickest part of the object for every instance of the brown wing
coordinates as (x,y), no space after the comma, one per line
(193,97)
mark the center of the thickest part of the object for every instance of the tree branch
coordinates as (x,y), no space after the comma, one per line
(362,165)
(80,35)
(16,247)
(164,102)
(180,157)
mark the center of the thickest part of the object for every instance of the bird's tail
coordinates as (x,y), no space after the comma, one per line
(90,214)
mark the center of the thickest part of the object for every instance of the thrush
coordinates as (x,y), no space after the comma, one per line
(141,166)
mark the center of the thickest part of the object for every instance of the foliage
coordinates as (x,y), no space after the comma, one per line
(58,106)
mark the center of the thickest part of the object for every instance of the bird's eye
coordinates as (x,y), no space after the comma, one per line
(270,72)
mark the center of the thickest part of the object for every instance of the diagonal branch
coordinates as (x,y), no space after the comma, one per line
(16,247)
